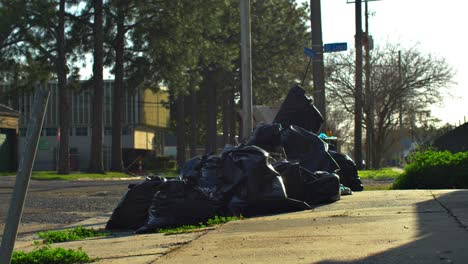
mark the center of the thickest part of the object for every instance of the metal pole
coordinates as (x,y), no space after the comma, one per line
(317,62)
(358,92)
(369,97)
(246,67)
(23,176)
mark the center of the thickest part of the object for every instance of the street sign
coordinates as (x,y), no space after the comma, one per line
(309,52)
(333,47)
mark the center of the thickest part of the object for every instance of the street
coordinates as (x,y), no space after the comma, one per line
(53,204)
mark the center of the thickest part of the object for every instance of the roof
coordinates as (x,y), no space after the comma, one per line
(7,111)
(454,140)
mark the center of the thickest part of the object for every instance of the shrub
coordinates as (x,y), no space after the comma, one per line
(49,255)
(217,220)
(69,234)
(432,169)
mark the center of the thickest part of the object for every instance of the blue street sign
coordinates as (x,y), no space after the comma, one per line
(309,52)
(333,47)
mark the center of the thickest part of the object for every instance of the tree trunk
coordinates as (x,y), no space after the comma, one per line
(193,120)
(95,164)
(379,141)
(211,114)
(225,117)
(232,118)
(180,130)
(64,102)
(117,114)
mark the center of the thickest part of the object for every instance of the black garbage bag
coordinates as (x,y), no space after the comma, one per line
(307,148)
(191,172)
(321,187)
(211,172)
(267,137)
(177,203)
(255,186)
(348,171)
(298,109)
(249,167)
(237,206)
(132,210)
(311,187)
(292,178)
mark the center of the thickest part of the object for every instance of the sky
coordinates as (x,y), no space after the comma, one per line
(436,27)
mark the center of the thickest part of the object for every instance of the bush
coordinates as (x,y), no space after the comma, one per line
(69,234)
(49,255)
(432,169)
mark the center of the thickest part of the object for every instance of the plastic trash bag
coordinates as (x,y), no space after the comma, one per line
(177,203)
(298,109)
(132,210)
(267,137)
(311,187)
(348,171)
(259,188)
(237,206)
(308,149)
(321,187)
(249,167)
(191,172)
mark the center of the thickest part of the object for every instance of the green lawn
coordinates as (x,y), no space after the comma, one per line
(381,174)
(52,175)
(169,173)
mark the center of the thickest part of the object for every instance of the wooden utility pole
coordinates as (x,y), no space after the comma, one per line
(358,92)
(317,61)
(246,68)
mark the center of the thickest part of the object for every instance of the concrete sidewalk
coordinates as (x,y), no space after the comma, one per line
(415,226)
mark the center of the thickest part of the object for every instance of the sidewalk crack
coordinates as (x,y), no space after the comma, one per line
(450,213)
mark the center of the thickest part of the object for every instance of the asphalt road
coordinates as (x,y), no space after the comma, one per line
(54,204)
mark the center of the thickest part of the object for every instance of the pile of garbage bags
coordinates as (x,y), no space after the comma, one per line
(283,167)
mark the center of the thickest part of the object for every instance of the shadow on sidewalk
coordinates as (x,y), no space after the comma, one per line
(436,241)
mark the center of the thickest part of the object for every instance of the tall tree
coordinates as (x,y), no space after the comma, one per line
(401,86)
(117,102)
(97,127)
(39,35)
(64,100)
(123,17)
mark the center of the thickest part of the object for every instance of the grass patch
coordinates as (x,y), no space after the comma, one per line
(3,173)
(69,234)
(52,175)
(217,220)
(168,173)
(380,174)
(48,255)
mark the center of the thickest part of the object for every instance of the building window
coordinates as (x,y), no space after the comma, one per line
(107,131)
(126,130)
(81,131)
(51,131)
